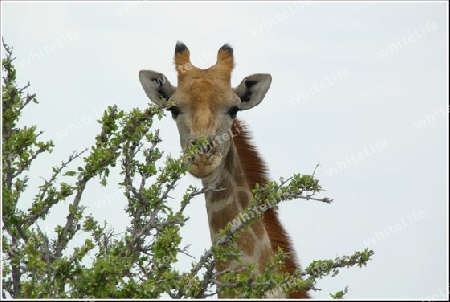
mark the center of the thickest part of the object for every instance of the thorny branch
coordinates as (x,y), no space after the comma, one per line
(261,194)
(49,203)
(314,271)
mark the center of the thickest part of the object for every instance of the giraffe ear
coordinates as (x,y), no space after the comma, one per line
(156,86)
(252,90)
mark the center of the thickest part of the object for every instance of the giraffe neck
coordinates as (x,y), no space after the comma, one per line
(225,204)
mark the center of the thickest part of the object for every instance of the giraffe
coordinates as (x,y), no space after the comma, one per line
(206,106)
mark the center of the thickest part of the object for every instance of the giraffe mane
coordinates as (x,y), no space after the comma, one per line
(256,172)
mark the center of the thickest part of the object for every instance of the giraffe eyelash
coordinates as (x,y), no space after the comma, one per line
(175,111)
(233,112)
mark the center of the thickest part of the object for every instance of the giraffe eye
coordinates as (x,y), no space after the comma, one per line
(174,110)
(233,112)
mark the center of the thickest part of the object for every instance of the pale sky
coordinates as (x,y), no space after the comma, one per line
(359,87)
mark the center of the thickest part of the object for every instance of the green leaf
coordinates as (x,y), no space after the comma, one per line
(72,209)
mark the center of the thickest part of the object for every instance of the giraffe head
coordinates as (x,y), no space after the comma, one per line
(204,104)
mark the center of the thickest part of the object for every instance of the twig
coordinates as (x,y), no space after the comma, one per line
(46,207)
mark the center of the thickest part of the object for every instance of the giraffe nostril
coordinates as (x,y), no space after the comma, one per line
(192,142)
(206,149)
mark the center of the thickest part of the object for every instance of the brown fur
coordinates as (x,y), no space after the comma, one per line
(256,172)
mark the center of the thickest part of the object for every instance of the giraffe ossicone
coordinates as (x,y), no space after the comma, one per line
(205,106)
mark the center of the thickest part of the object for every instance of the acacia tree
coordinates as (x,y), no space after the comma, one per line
(141,262)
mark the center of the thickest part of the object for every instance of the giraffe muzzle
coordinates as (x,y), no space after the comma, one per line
(205,158)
